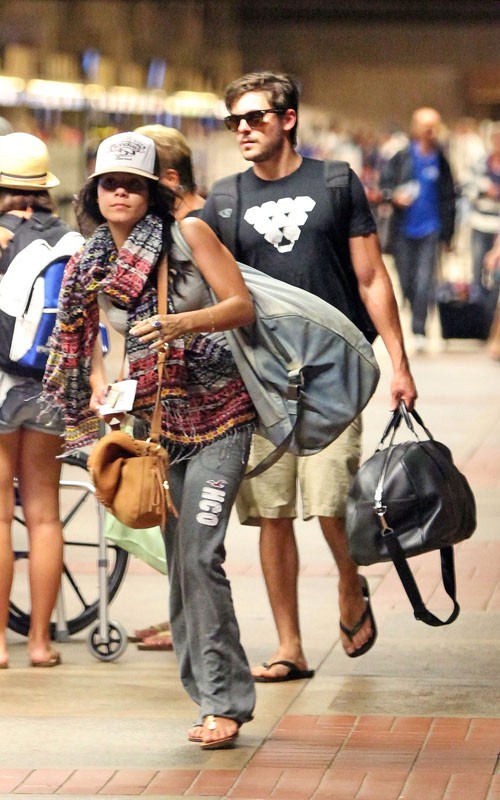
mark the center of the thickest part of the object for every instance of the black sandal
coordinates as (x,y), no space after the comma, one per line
(367,614)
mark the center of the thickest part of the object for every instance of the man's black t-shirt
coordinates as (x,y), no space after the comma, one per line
(285,230)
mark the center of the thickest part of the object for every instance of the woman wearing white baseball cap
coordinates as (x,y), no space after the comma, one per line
(207,414)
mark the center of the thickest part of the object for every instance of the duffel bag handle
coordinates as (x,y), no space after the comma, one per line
(401,412)
(407,415)
(391,428)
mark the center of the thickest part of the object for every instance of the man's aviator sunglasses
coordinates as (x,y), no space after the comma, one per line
(254,119)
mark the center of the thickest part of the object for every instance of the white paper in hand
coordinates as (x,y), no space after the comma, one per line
(120,398)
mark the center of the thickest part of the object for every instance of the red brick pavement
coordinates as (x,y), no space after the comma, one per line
(325,757)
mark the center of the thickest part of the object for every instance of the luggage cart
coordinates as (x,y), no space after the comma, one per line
(76,607)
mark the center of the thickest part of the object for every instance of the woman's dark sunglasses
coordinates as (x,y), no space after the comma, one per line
(254,119)
(132,184)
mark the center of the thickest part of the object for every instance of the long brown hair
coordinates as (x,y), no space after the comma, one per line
(161,201)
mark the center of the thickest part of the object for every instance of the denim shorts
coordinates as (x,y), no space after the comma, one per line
(20,409)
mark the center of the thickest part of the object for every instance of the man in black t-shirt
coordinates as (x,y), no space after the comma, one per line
(285,220)
(285,228)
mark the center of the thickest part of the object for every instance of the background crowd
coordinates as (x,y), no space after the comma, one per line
(471,147)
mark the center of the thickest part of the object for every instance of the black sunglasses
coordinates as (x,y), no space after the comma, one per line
(254,119)
(132,184)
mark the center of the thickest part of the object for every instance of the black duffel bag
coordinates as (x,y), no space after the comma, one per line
(409,499)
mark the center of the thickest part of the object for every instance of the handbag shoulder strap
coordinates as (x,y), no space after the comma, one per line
(162,287)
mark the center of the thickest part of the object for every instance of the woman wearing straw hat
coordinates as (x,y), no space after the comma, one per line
(29,440)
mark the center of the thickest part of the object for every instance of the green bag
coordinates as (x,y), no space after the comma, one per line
(144,543)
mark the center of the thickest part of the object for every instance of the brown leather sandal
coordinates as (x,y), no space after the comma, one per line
(219,744)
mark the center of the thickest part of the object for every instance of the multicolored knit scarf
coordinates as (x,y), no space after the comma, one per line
(203,397)
(124,276)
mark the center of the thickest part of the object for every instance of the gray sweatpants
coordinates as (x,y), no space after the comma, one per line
(213,666)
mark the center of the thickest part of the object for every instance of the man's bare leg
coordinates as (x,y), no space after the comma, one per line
(352,604)
(280,565)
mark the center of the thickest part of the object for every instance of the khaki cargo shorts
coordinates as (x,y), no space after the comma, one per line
(324,480)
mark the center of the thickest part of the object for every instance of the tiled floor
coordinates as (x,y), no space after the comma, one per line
(418,718)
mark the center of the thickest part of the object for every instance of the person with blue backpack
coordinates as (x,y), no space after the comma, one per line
(30,440)
(307,223)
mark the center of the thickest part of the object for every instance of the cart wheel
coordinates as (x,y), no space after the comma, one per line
(115,645)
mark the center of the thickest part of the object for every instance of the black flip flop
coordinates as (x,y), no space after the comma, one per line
(367,614)
(294,673)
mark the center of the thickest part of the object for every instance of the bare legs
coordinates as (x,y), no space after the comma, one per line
(280,565)
(351,601)
(31,455)
(7,469)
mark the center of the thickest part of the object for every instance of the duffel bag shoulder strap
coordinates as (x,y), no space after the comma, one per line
(294,375)
(420,610)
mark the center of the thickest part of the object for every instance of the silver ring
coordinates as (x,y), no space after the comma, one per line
(166,345)
(156,324)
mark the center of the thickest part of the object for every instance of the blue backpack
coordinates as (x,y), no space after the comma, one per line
(29,293)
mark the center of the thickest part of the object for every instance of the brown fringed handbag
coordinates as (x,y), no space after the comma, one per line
(131,476)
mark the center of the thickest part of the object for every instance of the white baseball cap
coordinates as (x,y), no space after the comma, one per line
(126,152)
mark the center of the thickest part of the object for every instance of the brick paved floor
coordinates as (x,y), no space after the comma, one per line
(326,757)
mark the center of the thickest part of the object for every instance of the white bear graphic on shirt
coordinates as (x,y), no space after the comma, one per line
(280,221)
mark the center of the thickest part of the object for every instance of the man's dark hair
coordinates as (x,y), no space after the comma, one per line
(282,90)
(22,199)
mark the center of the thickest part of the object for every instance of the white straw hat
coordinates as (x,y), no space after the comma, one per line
(126,152)
(24,161)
